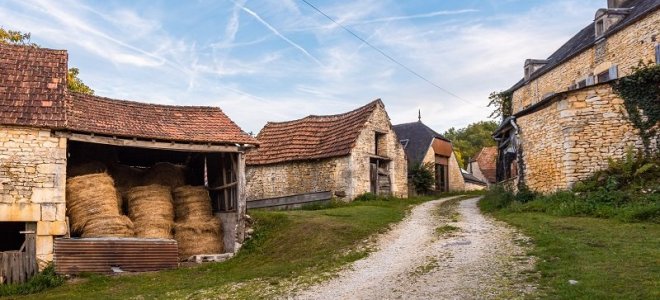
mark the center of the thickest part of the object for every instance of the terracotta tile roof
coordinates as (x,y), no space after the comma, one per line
(33,93)
(93,114)
(487,160)
(32,84)
(312,137)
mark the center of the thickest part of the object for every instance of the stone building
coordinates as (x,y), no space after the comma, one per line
(44,128)
(483,165)
(567,121)
(346,154)
(423,145)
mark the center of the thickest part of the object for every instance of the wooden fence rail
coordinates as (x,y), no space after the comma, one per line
(19,266)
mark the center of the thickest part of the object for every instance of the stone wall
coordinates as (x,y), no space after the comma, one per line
(469,186)
(456,181)
(32,183)
(389,147)
(625,49)
(573,137)
(291,178)
(476,171)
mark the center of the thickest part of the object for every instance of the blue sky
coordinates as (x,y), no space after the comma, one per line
(280,60)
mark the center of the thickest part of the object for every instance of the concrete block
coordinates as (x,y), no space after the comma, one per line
(51,228)
(48,212)
(20,212)
(44,244)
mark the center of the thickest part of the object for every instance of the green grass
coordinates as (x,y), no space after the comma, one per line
(301,246)
(610,259)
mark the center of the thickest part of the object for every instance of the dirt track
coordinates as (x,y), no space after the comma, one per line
(483,259)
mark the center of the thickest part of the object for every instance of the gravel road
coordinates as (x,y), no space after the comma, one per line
(482,259)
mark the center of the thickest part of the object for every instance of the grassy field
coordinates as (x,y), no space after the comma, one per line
(608,258)
(301,246)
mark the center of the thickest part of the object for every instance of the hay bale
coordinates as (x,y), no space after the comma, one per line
(92,167)
(89,196)
(109,226)
(192,203)
(126,177)
(166,174)
(151,210)
(199,236)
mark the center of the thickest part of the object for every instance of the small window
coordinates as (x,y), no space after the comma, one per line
(611,74)
(600,28)
(580,84)
(404,143)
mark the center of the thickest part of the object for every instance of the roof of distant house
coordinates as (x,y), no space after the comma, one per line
(312,137)
(487,161)
(416,138)
(33,93)
(471,178)
(586,38)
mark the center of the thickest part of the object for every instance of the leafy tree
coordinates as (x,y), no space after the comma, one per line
(502,101)
(422,177)
(74,83)
(469,140)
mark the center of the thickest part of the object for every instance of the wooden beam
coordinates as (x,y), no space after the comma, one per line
(152,144)
(223,187)
(290,200)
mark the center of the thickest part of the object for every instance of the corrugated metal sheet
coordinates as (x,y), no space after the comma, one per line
(99,255)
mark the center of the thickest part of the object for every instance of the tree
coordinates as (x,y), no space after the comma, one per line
(503,104)
(468,141)
(74,83)
(421,177)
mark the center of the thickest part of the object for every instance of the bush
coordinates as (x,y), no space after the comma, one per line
(421,177)
(42,281)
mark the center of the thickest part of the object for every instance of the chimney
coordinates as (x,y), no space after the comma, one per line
(618,4)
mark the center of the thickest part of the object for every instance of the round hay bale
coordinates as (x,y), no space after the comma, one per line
(199,237)
(126,177)
(109,226)
(89,197)
(151,210)
(92,167)
(166,174)
(192,203)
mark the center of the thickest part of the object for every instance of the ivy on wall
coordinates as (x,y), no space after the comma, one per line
(641,95)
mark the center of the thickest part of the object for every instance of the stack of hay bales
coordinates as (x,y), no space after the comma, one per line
(151,210)
(93,207)
(196,230)
(166,174)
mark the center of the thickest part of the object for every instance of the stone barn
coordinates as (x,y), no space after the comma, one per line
(45,131)
(567,120)
(423,145)
(342,155)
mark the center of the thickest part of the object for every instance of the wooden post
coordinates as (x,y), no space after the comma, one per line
(240,196)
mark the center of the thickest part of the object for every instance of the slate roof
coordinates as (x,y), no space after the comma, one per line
(93,114)
(487,161)
(471,178)
(586,38)
(419,138)
(33,93)
(312,137)
(32,84)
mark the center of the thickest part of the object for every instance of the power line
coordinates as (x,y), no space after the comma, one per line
(385,54)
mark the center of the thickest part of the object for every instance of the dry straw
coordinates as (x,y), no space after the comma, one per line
(92,167)
(200,236)
(93,207)
(192,203)
(151,209)
(166,174)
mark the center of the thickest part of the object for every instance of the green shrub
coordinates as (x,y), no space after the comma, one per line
(497,197)
(421,177)
(42,281)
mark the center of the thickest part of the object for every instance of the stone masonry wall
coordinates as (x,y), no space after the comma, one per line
(291,178)
(456,181)
(624,49)
(574,137)
(476,171)
(32,183)
(359,161)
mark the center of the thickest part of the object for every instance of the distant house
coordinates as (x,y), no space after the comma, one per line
(344,155)
(472,183)
(567,120)
(423,145)
(46,129)
(483,165)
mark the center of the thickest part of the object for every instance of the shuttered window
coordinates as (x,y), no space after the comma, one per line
(657,53)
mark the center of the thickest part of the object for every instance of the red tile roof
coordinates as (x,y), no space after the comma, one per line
(93,114)
(312,137)
(33,93)
(32,84)
(487,160)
